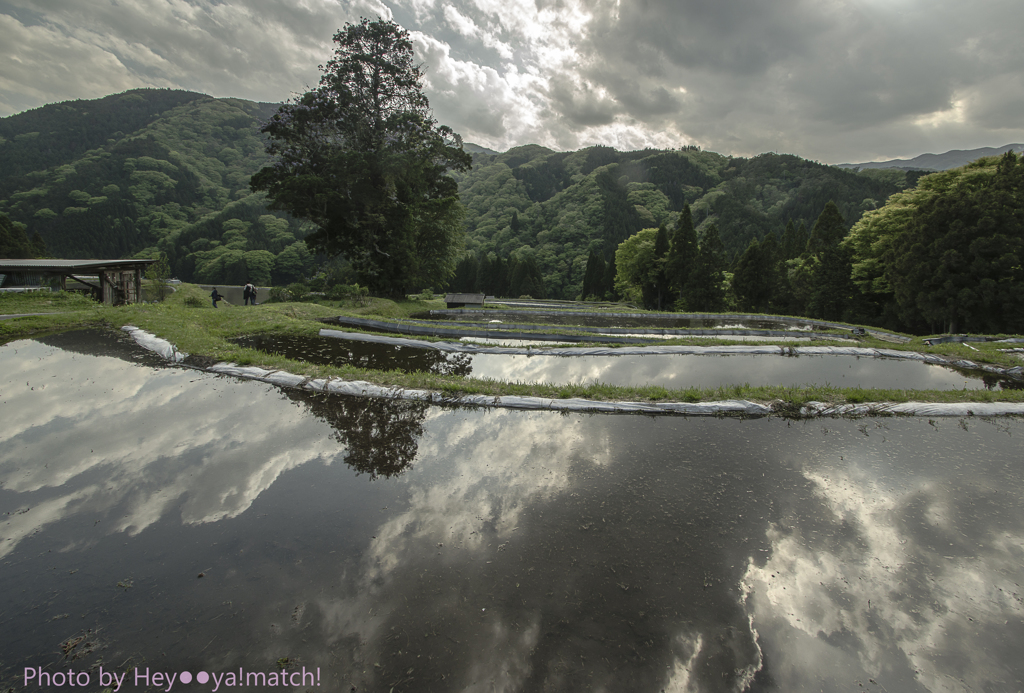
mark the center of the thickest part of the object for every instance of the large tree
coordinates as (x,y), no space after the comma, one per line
(683,251)
(947,255)
(361,157)
(959,263)
(637,266)
(833,290)
(703,291)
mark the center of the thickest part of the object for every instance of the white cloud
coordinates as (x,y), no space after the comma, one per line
(196,458)
(902,605)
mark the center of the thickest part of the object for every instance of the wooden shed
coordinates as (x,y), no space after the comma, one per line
(464,300)
(114,282)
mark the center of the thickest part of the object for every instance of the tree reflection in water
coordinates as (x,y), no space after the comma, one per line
(380,434)
(449,364)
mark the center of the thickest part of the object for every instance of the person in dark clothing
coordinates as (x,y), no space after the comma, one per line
(216,296)
(246,295)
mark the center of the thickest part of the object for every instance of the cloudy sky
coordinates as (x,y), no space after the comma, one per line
(831,80)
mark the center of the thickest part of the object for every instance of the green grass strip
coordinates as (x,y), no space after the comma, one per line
(187,320)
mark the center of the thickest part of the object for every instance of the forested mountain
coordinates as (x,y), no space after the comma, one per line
(557,207)
(150,171)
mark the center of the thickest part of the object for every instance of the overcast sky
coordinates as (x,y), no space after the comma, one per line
(831,80)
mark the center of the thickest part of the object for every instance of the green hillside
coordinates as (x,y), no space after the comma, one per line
(569,203)
(151,171)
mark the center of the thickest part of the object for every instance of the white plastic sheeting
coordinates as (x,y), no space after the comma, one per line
(154,343)
(721,408)
(935,409)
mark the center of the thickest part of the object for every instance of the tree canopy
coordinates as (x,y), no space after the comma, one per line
(948,255)
(361,157)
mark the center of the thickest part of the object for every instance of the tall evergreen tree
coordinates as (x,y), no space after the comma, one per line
(752,277)
(593,276)
(833,287)
(500,271)
(829,230)
(662,292)
(610,270)
(683,251)
(38,245)
(792,245)
(703,291)
(526,279)
(464,280)
(771,253)
(484,274)
(361,157)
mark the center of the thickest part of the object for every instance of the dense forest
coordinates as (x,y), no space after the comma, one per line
(557,208)
(944,256)
(947,255)
(160,172)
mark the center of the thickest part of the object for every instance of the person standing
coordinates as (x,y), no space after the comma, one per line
(247,292)
(216,296)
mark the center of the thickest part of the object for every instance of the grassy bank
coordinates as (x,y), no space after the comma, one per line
(187,320)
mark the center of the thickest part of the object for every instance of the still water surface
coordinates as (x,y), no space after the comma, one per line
(666,370)
(599,320)
(399,546)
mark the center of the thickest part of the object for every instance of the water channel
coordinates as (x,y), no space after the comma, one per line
(672,371)
(161,519)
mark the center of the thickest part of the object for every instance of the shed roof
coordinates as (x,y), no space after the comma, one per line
(65,266)
(464,298)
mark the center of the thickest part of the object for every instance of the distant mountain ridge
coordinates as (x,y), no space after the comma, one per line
(939,162)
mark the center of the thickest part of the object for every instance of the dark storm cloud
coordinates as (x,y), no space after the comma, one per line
(849,80)
(796,74)
(262,49)
(580,104)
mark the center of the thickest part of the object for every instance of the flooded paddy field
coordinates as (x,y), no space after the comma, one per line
(161,519)
(666,370)
(654,320)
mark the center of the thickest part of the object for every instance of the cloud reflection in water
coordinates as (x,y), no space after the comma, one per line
(503,550)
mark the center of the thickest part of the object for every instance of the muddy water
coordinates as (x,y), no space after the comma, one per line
(672,371)
(395,546)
